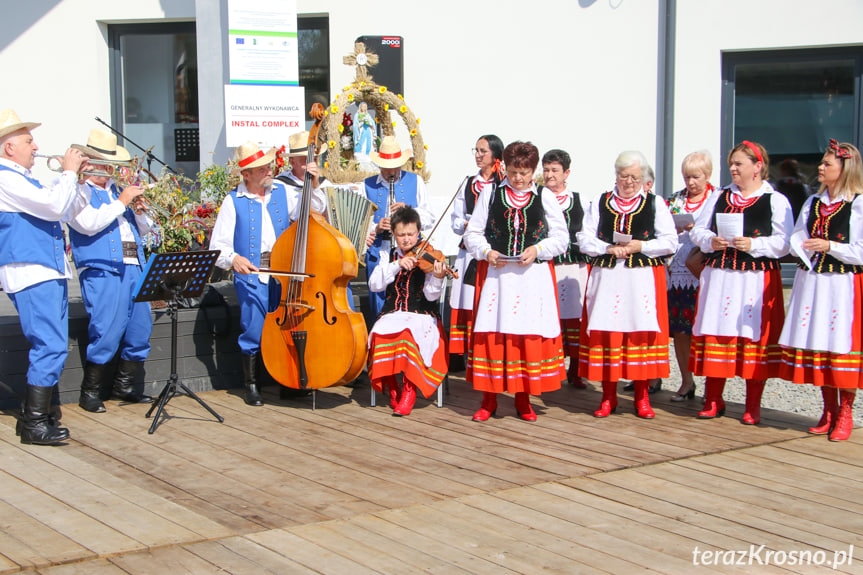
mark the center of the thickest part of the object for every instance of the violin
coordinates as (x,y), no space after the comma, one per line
(426,257)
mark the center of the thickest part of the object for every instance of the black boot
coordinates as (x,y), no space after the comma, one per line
(124,381)
(37,428)
(250,367)
(53,418)
(91,388)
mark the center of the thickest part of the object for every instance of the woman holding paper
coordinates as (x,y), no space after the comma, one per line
(515,232)
(744,230)
(821,341)
(624,331)
(685,206)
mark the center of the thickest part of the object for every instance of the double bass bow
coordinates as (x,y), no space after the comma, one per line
(313,339)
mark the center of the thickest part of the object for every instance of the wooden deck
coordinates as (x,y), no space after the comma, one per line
(349,489)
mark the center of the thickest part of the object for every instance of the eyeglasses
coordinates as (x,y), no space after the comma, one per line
(477,152)
(633,179)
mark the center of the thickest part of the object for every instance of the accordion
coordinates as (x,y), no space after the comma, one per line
(350,213)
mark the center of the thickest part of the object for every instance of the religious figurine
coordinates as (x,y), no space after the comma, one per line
(364,132)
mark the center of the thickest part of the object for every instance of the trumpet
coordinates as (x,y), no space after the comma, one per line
(106,167)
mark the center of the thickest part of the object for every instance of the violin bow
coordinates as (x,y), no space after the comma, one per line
(424,242)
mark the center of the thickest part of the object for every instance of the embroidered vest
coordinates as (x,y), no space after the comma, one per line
(247,229)
(638,223)
(757,222)
(104,249)
(574,215)
(405,293)
(834,226)
(26,239)
(510,230)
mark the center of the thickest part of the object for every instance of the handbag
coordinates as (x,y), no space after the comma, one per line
(695,261)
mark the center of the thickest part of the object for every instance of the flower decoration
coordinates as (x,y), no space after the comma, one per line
(335,109)
(341,128)
(403,109)
(382,89)
(413,132)
(419,164)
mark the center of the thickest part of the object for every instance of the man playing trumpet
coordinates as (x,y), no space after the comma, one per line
(33,266)
(108,252)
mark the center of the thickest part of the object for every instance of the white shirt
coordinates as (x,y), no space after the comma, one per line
(459,217)
(222,237)
(90,221)
(58,203)
(555,244)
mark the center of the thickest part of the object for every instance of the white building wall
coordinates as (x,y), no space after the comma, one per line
(54,57)
(707,28)
(578,75)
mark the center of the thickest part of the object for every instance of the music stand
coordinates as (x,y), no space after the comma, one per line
(170,276)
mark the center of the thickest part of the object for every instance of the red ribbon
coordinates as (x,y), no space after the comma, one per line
(754,149)
(246,161)
(390,156)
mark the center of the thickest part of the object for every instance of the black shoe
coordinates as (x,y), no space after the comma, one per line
(37,428)
(250,380)
(629,386)
(91,388)
(124,381)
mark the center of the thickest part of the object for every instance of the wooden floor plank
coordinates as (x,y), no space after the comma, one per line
(165,560)
(93,567)
(791,453)
(239,556)
(305,552)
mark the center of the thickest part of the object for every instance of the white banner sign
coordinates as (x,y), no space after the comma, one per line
(265,115)
(262,40)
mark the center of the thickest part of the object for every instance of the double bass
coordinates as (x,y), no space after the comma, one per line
(313,339)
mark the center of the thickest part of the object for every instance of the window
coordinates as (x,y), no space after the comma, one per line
(792,102)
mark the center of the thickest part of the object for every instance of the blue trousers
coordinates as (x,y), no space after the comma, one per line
(373,258)
(116,321)
(43,310)
(253,298)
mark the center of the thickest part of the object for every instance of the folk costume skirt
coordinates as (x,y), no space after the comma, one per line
(635,355)
(395,353)
(505,362)
(818,367)
(571,284)
(729,356)
(461,304)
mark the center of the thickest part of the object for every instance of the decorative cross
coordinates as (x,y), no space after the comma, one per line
(361,60)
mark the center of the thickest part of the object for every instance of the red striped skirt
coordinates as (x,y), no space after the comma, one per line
(842,370)
(612,355)
(396,353)
(460,327)
(724,356)
(571,332)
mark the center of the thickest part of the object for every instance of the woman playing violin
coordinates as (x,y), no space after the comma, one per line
(407,337)
(515,231)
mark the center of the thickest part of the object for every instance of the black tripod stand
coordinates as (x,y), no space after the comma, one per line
(171,276)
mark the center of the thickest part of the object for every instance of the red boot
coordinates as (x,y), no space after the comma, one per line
(609,399)
(390,387)
(754,390)
(642,400)
(489,406)
(714,406)
(845,418)
(522,406)
(406,402)
(831,410)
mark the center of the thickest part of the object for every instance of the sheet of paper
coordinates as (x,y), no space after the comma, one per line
(797,249)
(509,258)
(729,226)
(621,238)
(683,220)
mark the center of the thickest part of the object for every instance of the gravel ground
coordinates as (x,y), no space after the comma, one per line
(778,394)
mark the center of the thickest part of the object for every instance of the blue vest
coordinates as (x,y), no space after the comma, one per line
(26,239)
(405,191)
(104,249)
(247,228)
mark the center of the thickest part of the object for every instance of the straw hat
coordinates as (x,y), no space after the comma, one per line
(250,155)
(391,155)
(103,146)
(10,122)
(298,144)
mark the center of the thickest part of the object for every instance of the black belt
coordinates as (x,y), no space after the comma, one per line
(130,250)
(265,260)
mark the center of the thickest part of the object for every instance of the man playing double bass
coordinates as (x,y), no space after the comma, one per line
(250,220)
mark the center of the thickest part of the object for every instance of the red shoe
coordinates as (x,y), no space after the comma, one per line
(391,387)
(831,410)
(714,406)
(752,415)
(489,407)
(406,402)
(609,399)
(522,406)
(845,419)
(642,400)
